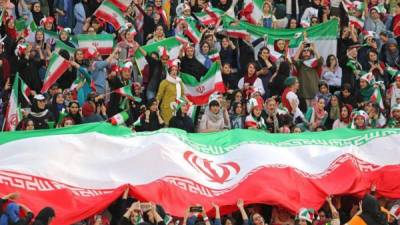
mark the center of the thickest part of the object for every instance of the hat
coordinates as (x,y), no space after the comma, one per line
(174,63)
(368,34)
(290,81)
(391,41)
(39,97)
(127,66)
(395,211)
(162,51)
(214,97)
(132,31)
(359,113)
(306,214)
(64,29)
(353,46)
(125,27)
(369,77)
(46,19)
(91,53)
(395,107)
(21,48)
(255,103)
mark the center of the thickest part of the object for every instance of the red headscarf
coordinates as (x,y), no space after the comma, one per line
(346,120)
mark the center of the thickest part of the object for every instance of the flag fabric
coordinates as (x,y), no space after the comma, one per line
(127,92)
(61,45)
(356,22)
(324,35)
(311,63)
(50,36)
(172,44)
(209,16)
(26,91)
(57,66)
(214,55)
(376,97)
(392,71)
(236,32)
(192,32)
(111,14)
(20,25)
(198,92)
(119,118)
(252,11)
(193,168)
(13,114)
(104,43)
(121,4)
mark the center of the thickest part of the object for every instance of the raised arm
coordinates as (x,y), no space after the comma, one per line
(240,205)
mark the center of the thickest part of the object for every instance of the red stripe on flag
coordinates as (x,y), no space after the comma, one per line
(55,75)
(102,51)
(73,204)
(108,18)
(203,99)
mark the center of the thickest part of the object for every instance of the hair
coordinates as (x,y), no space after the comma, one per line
(150,102)
(347,86)
(290,20)
(262,49)
(226,218)
(213,103)
(323,83)
(328,60)
(251,63)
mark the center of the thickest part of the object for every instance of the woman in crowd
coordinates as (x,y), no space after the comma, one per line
(251,81)
(345,117)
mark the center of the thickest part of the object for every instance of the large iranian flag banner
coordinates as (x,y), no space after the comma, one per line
(80,170)
(104,43)
(199,92)
(324,35)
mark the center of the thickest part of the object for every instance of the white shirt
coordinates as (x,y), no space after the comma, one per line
(258,86)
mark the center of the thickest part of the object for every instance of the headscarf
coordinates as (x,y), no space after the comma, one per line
(44,215)
(371,213)
(319,113)
(347,119)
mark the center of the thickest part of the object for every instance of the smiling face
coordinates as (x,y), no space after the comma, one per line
(359,121)
(74,108)
(344,112)
(251,70)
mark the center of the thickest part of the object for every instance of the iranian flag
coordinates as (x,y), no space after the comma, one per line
(121,4)
(376,97)
(26,91)
(198,92)
(252,11)
(61,45)
(311,63)
(357,22)
(236,32)
(127,92)
(119,118)
(291,170)
(13,114)
(192,32)
(57,66)
(110,13)
(214,55)
(172,44)
(104,43)
(274,55)
(392,71)
(209,16)
(324,35)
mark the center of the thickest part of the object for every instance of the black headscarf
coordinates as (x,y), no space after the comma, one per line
(44,215)
(371,213)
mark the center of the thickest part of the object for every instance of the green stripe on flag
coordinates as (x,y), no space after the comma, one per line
(190,80)
(60,45)
(221,142)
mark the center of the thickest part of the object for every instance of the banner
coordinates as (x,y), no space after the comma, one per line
(324,35)
(80,170)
